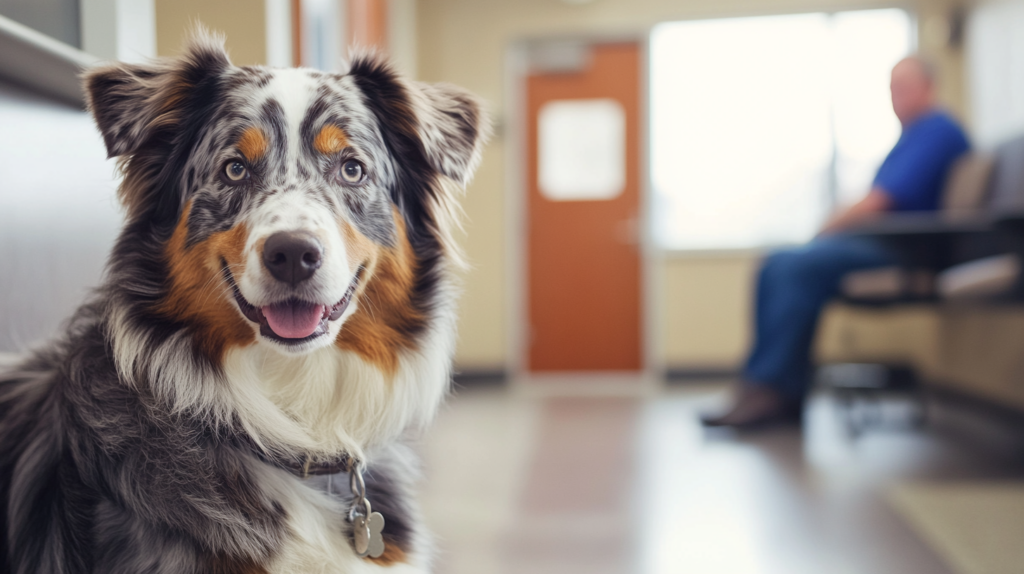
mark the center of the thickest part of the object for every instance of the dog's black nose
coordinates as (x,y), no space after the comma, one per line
(292,256)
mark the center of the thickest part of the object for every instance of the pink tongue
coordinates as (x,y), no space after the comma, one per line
(293,319)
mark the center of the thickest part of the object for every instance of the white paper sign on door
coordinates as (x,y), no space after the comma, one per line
(582,149)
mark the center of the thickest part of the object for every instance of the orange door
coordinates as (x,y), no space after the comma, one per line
(583,255)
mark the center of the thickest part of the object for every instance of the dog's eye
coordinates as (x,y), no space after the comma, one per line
(351,171)
(235,172)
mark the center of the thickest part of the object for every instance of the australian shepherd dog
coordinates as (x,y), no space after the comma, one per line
(276,321)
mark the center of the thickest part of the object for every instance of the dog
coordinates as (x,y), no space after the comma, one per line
(276,322)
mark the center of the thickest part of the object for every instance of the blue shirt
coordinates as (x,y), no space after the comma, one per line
(915,170)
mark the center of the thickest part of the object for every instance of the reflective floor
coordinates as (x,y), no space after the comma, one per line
(521,482)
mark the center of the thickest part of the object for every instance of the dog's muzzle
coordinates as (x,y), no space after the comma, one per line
(293,257)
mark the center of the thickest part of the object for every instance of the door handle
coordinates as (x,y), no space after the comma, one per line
(627,231)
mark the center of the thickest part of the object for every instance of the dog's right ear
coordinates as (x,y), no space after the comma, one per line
(132,103)
(126,101)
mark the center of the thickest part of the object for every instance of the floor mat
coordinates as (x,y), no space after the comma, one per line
(978,528)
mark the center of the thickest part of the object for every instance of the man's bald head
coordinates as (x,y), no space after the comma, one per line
(913,88)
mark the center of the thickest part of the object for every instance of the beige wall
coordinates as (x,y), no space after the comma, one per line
(706,311)
(243,22)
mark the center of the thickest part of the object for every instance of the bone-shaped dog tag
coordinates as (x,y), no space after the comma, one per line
(375,525)
(361,535)
(367,526)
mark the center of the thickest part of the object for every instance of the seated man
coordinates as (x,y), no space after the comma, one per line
(794,285)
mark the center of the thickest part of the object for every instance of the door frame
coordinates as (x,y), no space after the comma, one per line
(518,66)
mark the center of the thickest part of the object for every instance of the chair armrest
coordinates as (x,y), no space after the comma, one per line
(929,240)
(934,224)
(1011,222)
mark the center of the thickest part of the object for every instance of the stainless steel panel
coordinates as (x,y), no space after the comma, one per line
(58,214)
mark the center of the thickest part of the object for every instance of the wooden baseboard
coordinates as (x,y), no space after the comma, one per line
(473,378)
(684,375)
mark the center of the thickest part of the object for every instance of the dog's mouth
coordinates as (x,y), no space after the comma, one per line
(294,321)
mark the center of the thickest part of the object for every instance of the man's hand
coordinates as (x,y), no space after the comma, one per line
(875,203)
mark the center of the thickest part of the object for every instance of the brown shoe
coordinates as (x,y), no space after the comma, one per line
(755,406)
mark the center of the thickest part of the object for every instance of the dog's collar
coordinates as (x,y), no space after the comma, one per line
(367,525)
(310,468)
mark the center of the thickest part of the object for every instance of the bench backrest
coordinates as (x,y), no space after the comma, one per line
(987,180)
(967,185)
(1006,185)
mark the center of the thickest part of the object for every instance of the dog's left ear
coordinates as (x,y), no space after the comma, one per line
(447,122)
(453,128)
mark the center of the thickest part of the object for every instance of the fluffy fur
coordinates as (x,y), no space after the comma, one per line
(165,430)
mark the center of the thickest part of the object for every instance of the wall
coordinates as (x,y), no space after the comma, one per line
(706,297)
(707,308)
(58,19)
(996,56)
(243,22)
(252,39)
(123,30)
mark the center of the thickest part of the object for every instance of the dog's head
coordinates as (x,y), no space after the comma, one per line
(296,209)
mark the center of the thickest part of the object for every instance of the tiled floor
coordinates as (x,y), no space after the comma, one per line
(525,483)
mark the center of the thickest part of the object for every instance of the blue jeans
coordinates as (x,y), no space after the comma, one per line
(792,288)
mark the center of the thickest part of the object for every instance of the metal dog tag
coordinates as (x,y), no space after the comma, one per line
(361,536)
(366,534)
(367,525)
(375,525)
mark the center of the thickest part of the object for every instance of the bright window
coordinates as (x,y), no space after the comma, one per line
(582,153)
(759,126)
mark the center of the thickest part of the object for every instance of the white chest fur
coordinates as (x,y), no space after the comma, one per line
(331,401)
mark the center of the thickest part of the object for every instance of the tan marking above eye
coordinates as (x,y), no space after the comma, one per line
(253,143)
(330,140)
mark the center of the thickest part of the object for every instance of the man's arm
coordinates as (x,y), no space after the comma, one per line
(876,202)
